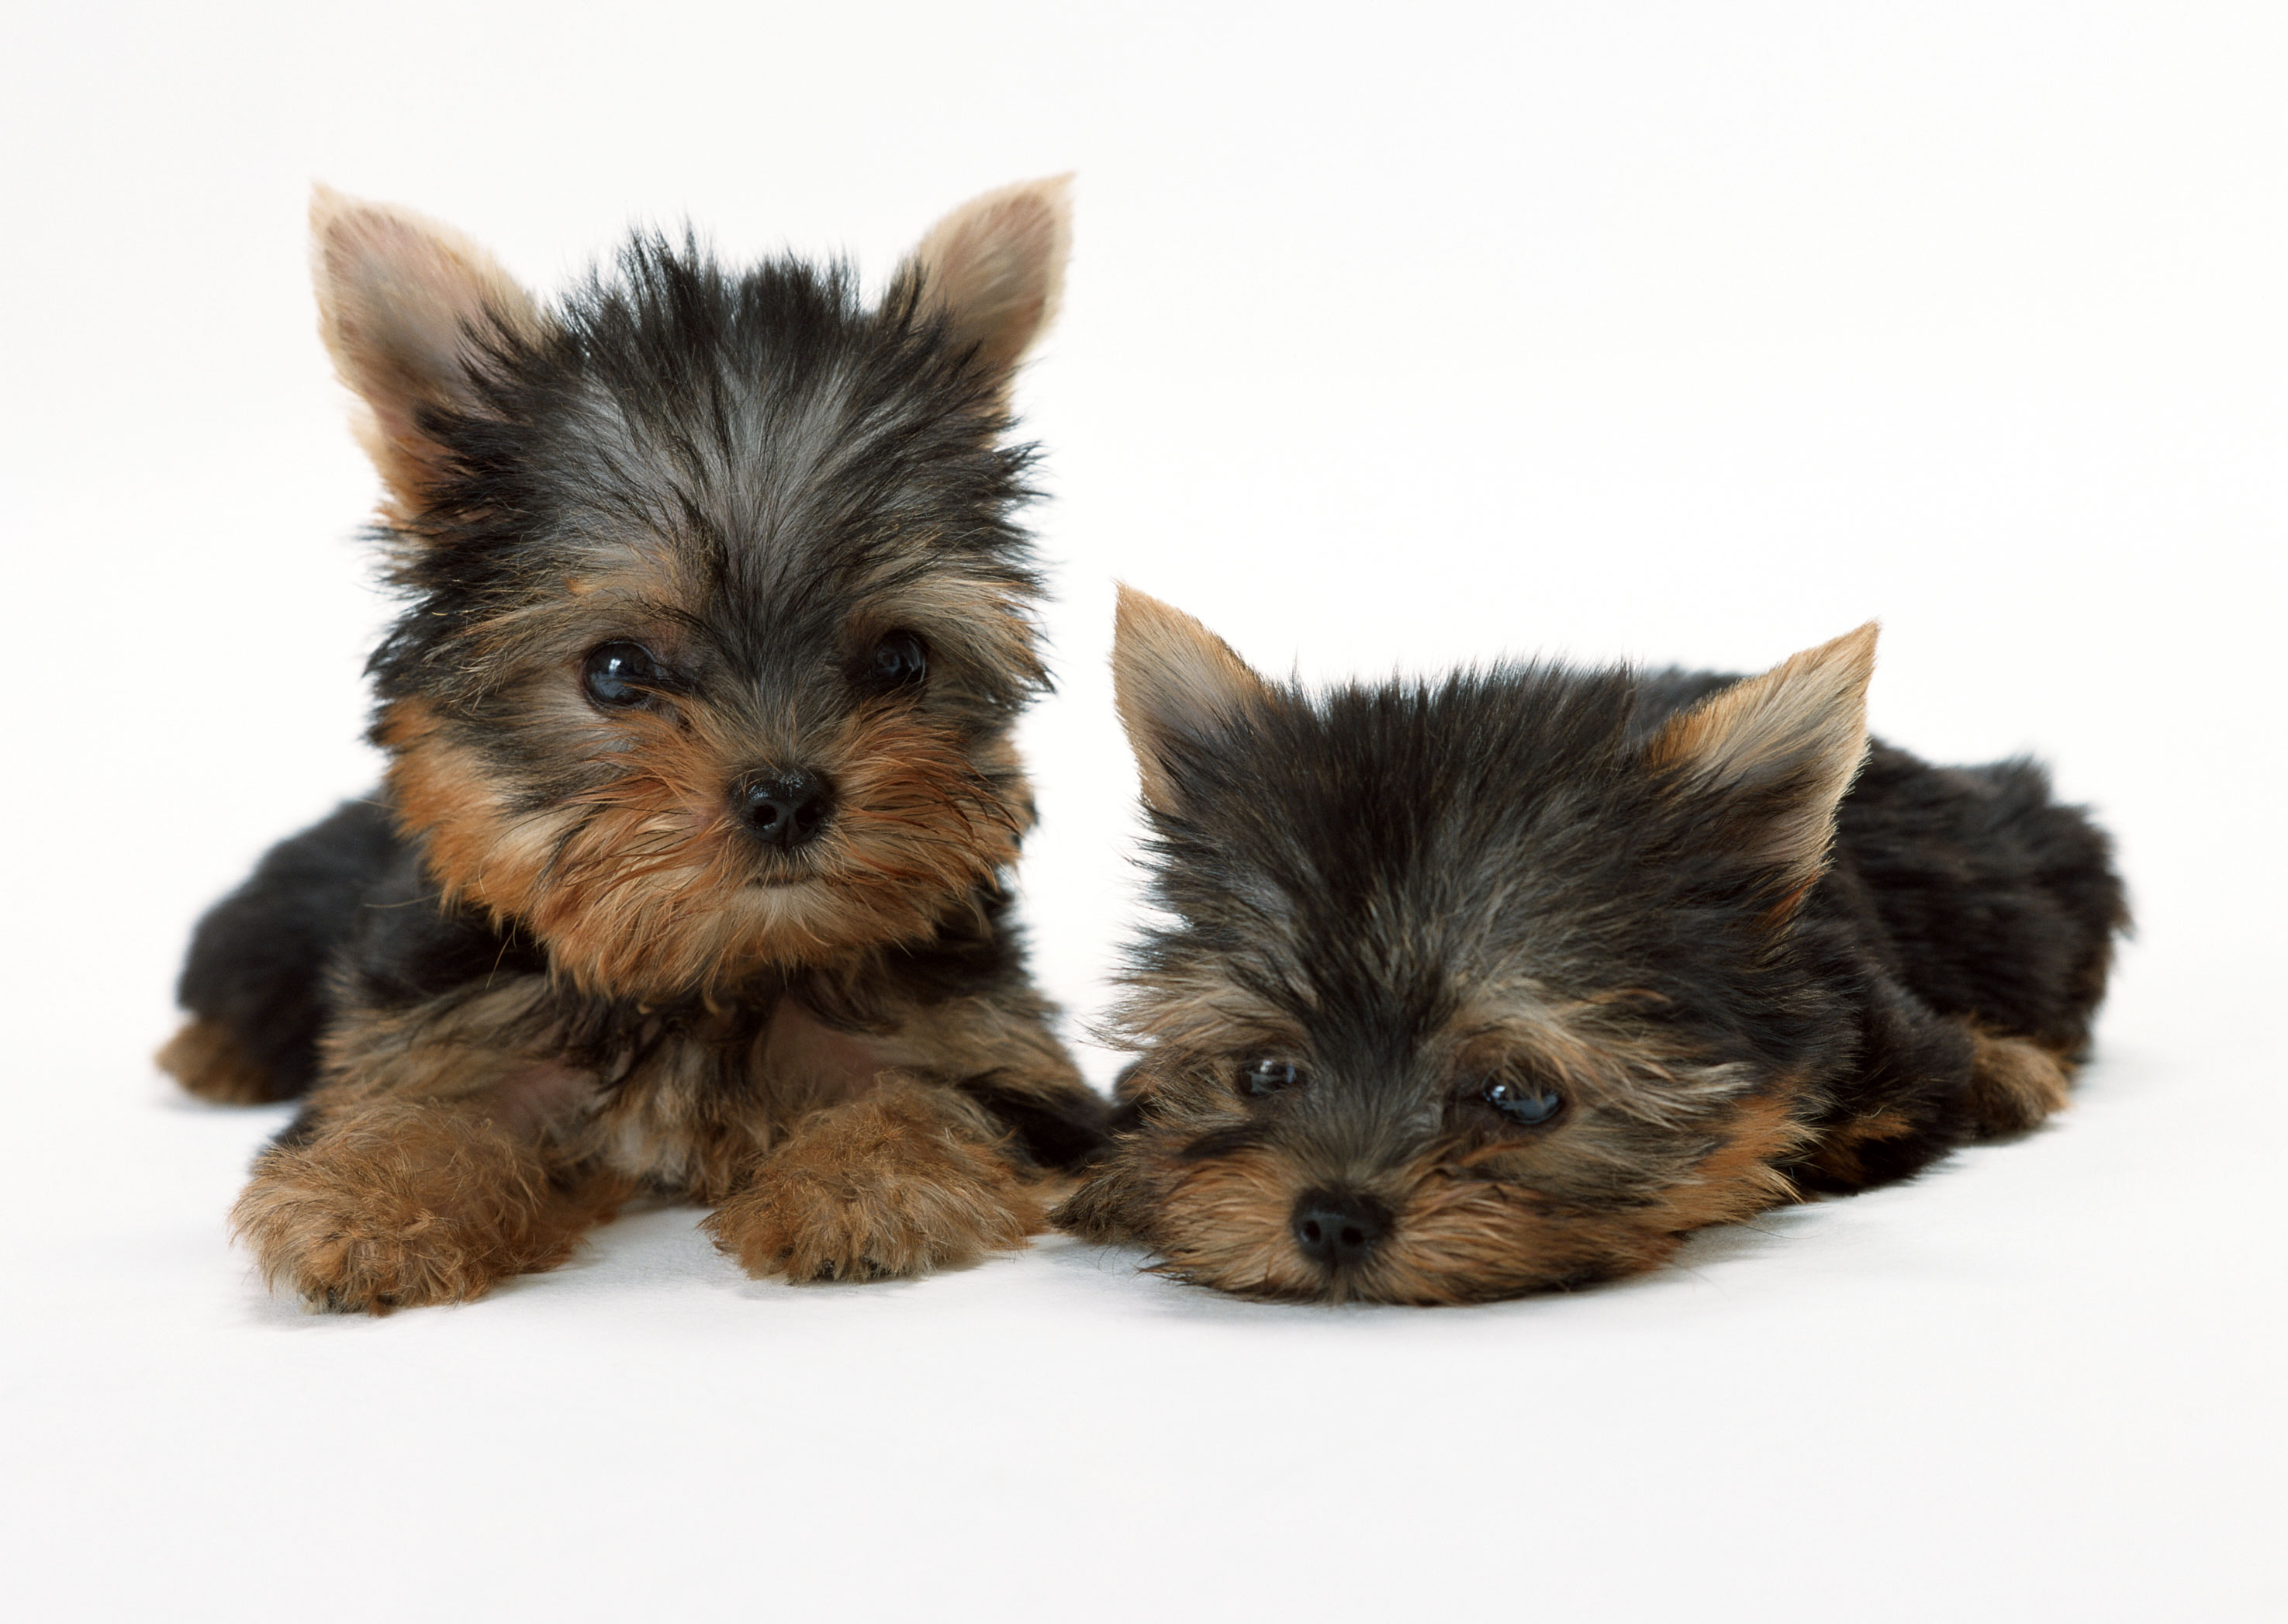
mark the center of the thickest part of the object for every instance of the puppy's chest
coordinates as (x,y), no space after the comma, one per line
(689,1111)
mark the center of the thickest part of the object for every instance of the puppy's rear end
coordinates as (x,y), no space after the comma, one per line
(2002,904)
(255,980)
(1989,912)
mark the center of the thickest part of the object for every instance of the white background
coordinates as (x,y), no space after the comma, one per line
(1394,337)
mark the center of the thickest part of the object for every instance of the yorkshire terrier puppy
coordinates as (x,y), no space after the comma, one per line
(687,874)
(1505,983)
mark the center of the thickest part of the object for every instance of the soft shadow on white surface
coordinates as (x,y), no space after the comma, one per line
(2017,1361)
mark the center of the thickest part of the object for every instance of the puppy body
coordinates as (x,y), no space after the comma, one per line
(687,874)
(1508,982)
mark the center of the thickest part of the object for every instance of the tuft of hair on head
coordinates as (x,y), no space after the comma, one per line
(1179,688)
(994,268)
(405,306)
(1781,749)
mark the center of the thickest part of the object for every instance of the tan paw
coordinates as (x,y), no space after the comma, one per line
(892,1186)
(211,1062)
(405,1208)
(2016,1083)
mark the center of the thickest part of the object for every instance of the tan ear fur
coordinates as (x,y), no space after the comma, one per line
(996,266)
(1794,735)
(1172,677)
(397,295)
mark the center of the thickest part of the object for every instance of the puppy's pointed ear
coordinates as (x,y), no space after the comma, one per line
(995,267)
(1179,688)
(400,299)
(1780,750)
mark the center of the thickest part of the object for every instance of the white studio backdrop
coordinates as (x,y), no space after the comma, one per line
(1394,338)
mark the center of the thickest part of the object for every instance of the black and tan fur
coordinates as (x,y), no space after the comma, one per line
(1507,982)
(687,876)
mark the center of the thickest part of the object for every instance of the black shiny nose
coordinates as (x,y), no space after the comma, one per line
(1336,1230)
(783,809)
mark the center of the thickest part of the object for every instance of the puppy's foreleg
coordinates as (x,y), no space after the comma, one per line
(909,1177)
(422,1170)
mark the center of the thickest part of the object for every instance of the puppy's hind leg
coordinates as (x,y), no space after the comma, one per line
(2016,1083)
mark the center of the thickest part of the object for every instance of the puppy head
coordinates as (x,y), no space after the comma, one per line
(1467,989)
(718,614)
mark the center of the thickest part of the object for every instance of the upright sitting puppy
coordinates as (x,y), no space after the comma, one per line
(688,873)
(1507,982)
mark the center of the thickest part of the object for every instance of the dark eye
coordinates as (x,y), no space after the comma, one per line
(1260,1078)
(1527,1105)
(899,660)
(620,674)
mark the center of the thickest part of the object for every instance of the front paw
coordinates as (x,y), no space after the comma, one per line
(412,1209)
(880,1189)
